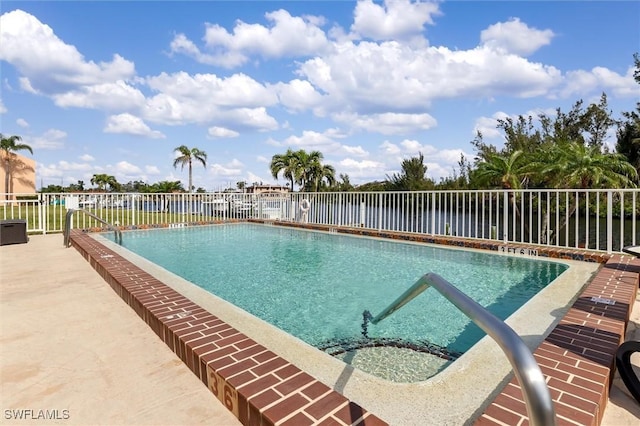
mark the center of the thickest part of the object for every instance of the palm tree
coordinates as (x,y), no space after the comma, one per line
(318,173)
(509,171)
(306,162)
(167,187)
(9,146)
(102,180)
(187,155)
(286,163)
(576,165)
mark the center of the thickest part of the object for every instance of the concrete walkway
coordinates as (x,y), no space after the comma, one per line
(622,409)
(70,347)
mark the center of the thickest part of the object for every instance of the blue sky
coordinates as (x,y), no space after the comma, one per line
(114,87)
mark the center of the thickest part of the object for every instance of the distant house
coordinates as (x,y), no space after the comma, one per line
(275,190)
(22,175)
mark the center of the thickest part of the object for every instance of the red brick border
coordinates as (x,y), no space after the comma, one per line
(578,357)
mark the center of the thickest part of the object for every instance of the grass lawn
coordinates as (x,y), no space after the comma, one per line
(51,218)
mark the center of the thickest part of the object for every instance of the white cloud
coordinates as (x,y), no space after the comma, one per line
(237,101)
(110,96)
(127,169)
(396,19)
(233,91)
(62,169)
(152,170)
(47,63)
(389,148)
(298,95)
(287,36)
(411,146)
(256,118)
(22,123)
(388,123)
(369,78)
(132,125)
(354,150)
(582,82)
(51,139)
(361,170)
(251,178)
(221,132)
(311,140)
(262,159)
(87,158)
(25,85)
(3,109)
(515,37)
(181,44)
(231,169)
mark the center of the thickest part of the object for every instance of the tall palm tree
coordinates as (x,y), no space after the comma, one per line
(186,157)
(9,146)
(306,161)
(318,173)
(286,163)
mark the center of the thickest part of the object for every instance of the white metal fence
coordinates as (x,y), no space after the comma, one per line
(604,220)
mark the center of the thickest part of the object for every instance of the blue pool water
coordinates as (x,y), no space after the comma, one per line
(316,285)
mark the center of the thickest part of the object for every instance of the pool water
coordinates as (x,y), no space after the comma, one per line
(316,285)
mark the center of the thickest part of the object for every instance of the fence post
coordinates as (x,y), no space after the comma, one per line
(41,216)
(133,209)
(609,221)
(505,217)
(379,211)
(433,213)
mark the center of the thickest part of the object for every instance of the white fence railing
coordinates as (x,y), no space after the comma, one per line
(604,220)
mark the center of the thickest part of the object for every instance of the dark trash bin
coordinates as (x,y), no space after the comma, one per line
(13,231)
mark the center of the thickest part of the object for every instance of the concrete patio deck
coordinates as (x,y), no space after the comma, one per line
(67,349)
(73,353)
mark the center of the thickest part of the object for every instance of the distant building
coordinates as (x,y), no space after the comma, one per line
(22,175)
(275,190)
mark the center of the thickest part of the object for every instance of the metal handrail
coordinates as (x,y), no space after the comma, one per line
(67,226)
(534,387)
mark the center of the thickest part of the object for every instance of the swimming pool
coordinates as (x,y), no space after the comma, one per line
(315,285)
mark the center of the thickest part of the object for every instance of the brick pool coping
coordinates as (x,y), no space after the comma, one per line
(578,357)
(261,388)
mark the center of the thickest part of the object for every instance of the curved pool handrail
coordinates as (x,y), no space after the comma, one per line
(534,387)
(67,226)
